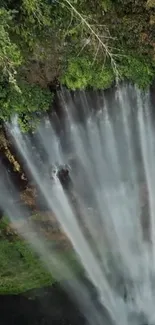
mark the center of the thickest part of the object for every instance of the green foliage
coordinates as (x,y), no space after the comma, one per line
(52,34)
(20,269)
(78,74)
(33,20)
(81,73)
(10,57)
(137,71)
(106,4)
(4,223)
(102,77)
(150,3)
(26,100)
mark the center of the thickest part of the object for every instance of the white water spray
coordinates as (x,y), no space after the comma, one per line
(110,153)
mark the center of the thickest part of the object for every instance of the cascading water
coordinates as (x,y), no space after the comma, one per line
(106,153)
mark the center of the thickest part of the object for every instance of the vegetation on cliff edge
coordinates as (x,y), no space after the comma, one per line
(78,43)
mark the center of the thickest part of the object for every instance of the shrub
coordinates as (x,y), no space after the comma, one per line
(77,74)
(81,73)
(26,100)
(10,56)
(102,77)
(137,71)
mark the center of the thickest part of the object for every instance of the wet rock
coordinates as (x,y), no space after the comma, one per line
(63,175)
(48,306)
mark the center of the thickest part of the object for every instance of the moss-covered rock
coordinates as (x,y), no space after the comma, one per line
(21,268)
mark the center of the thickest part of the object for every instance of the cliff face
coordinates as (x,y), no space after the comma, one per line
(105,32)
(48,306)
(21,269)
(80,44)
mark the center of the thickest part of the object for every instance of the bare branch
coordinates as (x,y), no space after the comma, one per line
(103,45)
(96,53)
(85,44)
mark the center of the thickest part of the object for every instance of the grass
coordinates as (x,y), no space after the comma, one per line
(20,269)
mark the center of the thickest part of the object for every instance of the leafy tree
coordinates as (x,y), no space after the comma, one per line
(10,56)
(85,40)
(137,70)
(27,101)
(17,97)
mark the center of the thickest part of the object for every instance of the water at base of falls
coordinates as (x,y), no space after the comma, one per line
(97,176)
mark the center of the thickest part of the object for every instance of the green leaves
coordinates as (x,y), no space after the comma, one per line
(77,75)
(10,56)
(103,77)
(28,101)
(106,4)
(150,4)
(137,71)
(17,97)
(81,73)
(51,35)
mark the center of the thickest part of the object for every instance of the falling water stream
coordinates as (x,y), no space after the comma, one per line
(107,149)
